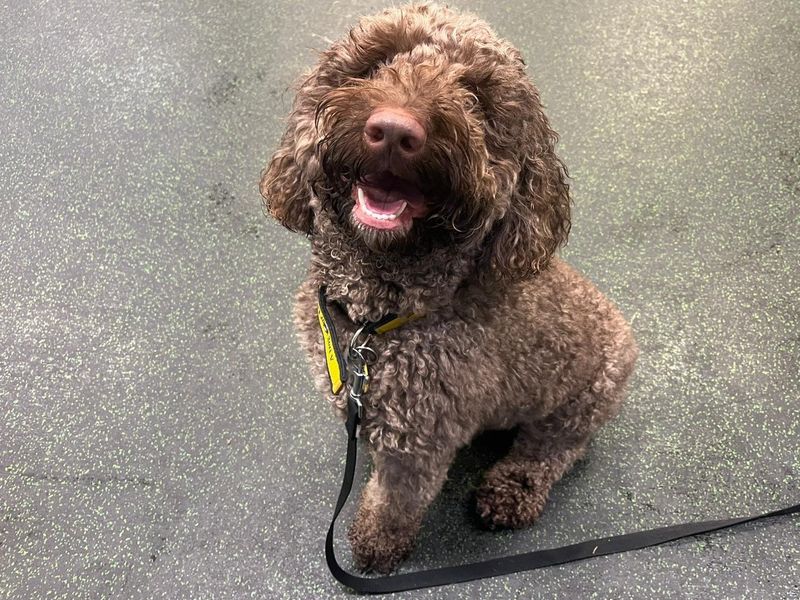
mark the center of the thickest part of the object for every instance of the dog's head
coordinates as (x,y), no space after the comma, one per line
(421,128)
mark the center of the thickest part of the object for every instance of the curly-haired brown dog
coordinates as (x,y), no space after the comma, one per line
(419,162)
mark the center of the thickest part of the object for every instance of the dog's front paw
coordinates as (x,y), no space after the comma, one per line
(378,545)
(512,495)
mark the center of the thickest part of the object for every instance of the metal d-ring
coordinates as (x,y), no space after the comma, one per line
(365,354)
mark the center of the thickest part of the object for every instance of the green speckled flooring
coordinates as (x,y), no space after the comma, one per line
(159,437)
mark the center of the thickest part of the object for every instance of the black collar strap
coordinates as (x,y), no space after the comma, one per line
(480,570)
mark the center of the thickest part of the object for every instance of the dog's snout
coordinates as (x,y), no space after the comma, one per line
(396,130)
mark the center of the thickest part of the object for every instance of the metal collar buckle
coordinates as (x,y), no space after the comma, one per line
(359,357)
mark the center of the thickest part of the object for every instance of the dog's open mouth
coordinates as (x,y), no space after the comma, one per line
(386,201)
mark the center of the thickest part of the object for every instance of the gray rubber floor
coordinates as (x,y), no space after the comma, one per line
(159,436)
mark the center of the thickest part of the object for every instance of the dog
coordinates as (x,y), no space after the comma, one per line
(420,164)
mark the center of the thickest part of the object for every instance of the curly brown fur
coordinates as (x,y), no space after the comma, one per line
(512,335)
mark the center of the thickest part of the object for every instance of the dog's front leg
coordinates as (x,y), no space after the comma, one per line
(393,504)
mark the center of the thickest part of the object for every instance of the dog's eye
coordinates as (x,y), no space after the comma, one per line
(472,97)
(370,71)
(472,102)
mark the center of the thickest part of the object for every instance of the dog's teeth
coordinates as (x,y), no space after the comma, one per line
(362,202)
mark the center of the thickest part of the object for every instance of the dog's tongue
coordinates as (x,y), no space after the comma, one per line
(387,202)
(387,191)
(383,201)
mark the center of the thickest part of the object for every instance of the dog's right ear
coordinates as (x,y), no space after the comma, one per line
(284,185)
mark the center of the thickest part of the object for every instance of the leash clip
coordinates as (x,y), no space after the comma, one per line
(359,356)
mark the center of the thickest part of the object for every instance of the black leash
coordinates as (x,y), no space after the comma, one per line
(356,366)
(507,564)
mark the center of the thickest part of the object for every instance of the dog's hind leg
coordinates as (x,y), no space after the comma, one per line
(514,491)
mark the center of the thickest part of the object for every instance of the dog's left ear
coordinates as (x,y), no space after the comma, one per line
(537,220)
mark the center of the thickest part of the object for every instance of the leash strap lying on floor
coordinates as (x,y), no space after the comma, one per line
(507,564)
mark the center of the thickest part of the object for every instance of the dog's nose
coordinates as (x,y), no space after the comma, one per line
(394,129)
